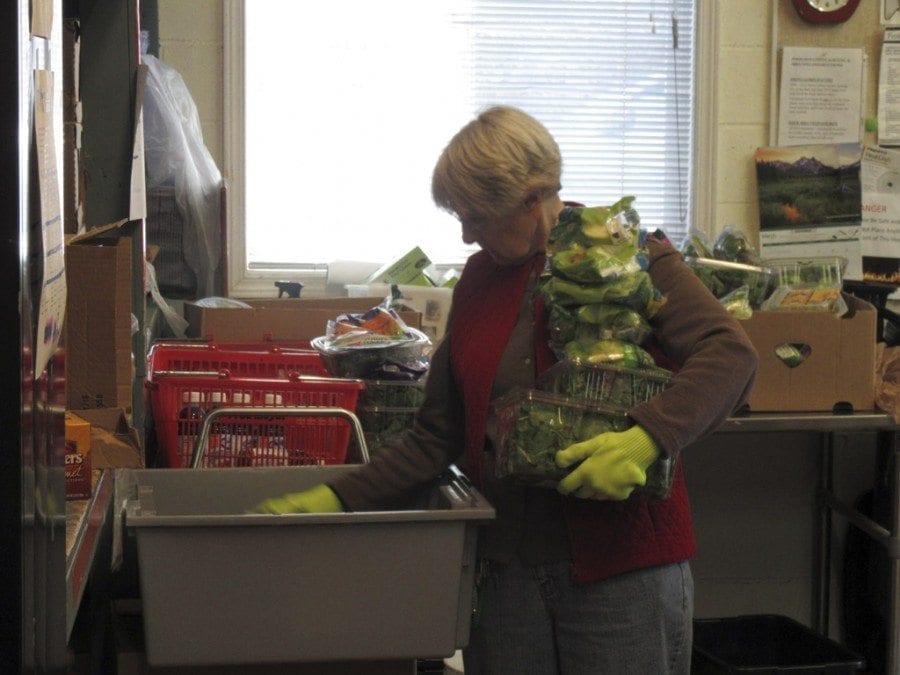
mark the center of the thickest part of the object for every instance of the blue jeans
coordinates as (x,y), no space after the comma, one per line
(535,621)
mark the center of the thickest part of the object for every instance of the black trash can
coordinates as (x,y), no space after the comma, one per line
(767,643)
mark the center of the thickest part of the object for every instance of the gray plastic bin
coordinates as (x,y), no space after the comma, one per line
(221,586)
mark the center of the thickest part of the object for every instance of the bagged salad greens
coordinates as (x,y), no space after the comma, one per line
(534,426)
(597,288)
(597,322)
(696,245)
(730,263)
(733,244)
(610,352)
(587,226)
(723,277)
(737,302)
(632,289)
(597,263)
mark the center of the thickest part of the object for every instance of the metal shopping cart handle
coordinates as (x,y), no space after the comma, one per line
(301,411)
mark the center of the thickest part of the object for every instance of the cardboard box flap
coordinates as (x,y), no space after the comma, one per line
(104,231)
(282,319)
(114,443)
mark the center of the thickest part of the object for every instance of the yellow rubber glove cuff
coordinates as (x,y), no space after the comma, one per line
(317,499)
(612,464)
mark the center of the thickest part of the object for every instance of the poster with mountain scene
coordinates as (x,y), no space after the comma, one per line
(810,202)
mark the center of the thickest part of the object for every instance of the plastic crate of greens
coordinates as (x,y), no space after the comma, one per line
(533,425)
(722,277)
(609,385)
(393,393)
(382,424)
(821,271)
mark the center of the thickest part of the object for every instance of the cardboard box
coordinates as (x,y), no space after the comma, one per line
(73,175)
(410,269)
(78,457)
(839,365)
(115,444)
(286,319)
(97,325)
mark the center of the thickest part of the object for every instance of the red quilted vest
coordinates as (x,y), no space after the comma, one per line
(607,537)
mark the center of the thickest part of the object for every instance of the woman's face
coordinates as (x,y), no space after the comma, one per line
(517,238)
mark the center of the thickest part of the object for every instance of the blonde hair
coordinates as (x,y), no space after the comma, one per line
(494,163)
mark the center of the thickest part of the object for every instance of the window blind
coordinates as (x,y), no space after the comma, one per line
(368,94)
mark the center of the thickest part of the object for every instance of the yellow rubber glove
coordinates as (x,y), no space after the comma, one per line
(612,464)
(318,499)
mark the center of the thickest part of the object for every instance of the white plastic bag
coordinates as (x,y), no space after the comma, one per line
(177,157)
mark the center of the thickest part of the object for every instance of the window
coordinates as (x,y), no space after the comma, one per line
(337,118)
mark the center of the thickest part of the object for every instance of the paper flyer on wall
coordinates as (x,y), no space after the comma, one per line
(52,304)
(880,242)
(810,203)
(821,96)
(889,89)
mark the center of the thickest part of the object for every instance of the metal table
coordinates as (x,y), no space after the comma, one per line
(87,528)
(827,425)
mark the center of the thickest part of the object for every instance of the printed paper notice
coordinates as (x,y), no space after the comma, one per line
(821,97)
(889,93)
(52,305)
(880,173)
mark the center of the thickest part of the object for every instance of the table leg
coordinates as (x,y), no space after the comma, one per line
(893,646)
(823,552)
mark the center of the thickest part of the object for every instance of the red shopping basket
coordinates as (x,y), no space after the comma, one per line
(181,401)
(245,359)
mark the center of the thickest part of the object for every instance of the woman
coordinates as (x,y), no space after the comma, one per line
(581,579)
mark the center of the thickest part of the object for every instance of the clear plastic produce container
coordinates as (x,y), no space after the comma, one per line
(380,425)
(821,271)
(534,425)
(393,393)
(722,277)
(610,385)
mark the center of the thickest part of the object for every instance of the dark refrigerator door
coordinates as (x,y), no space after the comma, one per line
(32,478)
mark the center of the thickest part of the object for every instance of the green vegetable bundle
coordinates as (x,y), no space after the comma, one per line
(608,352)
(598,290)
(596,322)
(587,226)
(600,298)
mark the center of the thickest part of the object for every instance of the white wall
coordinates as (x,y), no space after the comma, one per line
(191,42)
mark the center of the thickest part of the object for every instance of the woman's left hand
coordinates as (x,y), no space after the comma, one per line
(612,465)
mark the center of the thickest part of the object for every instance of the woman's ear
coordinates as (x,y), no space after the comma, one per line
(534,205)
(468,234)
(547,208)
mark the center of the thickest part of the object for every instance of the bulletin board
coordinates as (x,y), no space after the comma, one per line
(863,31)
(870,240)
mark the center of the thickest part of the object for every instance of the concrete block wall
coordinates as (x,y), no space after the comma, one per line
(190,40)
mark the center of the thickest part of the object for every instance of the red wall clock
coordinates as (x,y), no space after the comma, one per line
(825,11)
